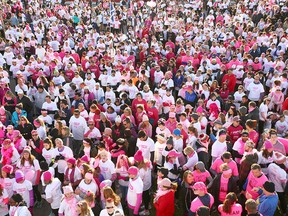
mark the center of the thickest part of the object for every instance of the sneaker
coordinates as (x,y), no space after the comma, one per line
(144,212)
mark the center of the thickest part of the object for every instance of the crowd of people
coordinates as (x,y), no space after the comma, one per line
(144,108)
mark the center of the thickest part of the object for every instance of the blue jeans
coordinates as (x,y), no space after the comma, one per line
(124,191)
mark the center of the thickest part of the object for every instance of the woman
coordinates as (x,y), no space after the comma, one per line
(238,96)
(224,91)
(186,191)
(122,167)
(201,174)
(9,101)
(87,184)
(172,164)
(145,174)
(31,169)
(18,206)
(56,132)
(117,129)
(40,127)
(229,206)
(222,184)
(19,141)
(119,149)
(104,122)
(53,194)
(7,179)
(252,133)
(128,113)
(203,198)
(4,200)
(164,199)
(87,96)
(68,203)
(83,111)
(17,114)
(137,101)
(72,174)
(108,193)
(232,112)
(25,127)
(88,148)
(9,153)
(83,209)
(48,151)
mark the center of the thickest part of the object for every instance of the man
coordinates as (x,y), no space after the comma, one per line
(39,98)
(253,111)
(255,90)
(219,146)
(50,106)
(234,130)
(65,112)
(230,79)
(268,199)
(263,114)
(77,126)
(146,145)
(251,208)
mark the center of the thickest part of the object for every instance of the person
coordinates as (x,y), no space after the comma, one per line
(53,194)
(68,203)
(72,174)
(86,185)
(146,145)
(268,200)
(186,191)
(4,198)
(135,190)
(229,206)
(164,198)
(251,208)
(111,209)
(18,206)
(83,209)
(122,167)
(219,146)
(9,153)
(203,198)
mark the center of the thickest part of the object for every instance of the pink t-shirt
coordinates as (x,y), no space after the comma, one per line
(255,182)
(196,203)
(201,176)
(223,188)
(236,210)
(232,164)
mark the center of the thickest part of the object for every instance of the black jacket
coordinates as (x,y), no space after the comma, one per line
(187,196)
(216,185)
(27,103)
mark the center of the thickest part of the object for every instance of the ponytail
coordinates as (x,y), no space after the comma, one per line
(230,199)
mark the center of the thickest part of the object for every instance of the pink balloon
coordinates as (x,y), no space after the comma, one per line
(30,175)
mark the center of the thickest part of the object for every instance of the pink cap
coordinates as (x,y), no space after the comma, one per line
(268,144)
(200,186)
(165,183)
(7,142)
(172,114)
(10,127)
(105,183)
(16,133)
(34,132)
(71,161)
(7,169)
(173,153)
(85,159)
(19,176)
(47,176)
(36,123)
(138,156)
(133,170)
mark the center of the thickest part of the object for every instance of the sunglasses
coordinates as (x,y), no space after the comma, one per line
(110,207)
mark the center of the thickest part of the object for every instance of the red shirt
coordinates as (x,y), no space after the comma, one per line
(234,133)
(165,205)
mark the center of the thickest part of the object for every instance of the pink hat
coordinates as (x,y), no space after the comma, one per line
(16,133)
(105,183)
(71,161)
(133,170)
(172,114)
(19,176)
(10,127)
(2,111)
(199,109)
(172,106)
(145,118)
(7,169)
(85,159)
(7,142)
(27,149)
(165,183)
(89,176)
(200,186)
(268,144)
(173,153)
(36,123)
(138,156)
(34,132)
(47,176)
(67,189)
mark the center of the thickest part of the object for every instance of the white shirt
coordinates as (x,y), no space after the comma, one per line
(95,133)
(105,213)
(107,169)
(93,187)
(3,207)
(53,191)
(24,190)
(145,175)
(77,126)
(20,210)
(135,187)
(49,155)
(27,167)
(191,161)
(67,153)
(263,109)
(254,91)
(146,147)
(218,148)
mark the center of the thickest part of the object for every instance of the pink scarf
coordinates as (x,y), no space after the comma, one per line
(17,145)
(160,193)
(72,203)
(7,155)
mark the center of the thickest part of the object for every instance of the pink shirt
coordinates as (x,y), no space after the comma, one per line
(196,203)
(255,182)
(236,210)
(232,164)
(201,176)
(223,188)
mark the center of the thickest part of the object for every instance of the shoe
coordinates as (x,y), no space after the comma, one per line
(144,212)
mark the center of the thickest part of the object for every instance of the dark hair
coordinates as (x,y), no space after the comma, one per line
(142,134)
(230,199)
(18,199)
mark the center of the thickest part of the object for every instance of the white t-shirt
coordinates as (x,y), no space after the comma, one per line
(263,109)
(20,210)
(27,167)
(145,175)
(254,91)
(146,147)
(77,173)
(107,169)
(159,148)
(23,189)
(65,208)
(8,185)
(49,154)
(93,187)
(105,213)
(178,144)
(218,148)
(191,162)
(53,191)
(135,187)
(95,133)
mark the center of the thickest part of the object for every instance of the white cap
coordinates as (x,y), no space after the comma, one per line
(20,91)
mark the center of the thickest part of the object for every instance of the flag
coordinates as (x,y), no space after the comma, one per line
(112,12)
